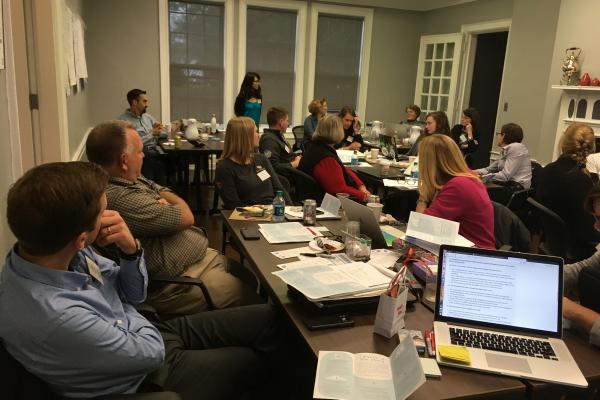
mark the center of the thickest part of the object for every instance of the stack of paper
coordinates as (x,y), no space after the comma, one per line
(320,281)
(287,232)
(430,232)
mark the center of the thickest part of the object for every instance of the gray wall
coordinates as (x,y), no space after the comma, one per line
(527,71)
(393,67)
(450,19)
(122,54)
(78,105)
(573,29)
(6,237)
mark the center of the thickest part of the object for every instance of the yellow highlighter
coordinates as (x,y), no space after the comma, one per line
(454,353)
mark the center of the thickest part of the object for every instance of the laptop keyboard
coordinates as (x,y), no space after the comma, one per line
(502,343)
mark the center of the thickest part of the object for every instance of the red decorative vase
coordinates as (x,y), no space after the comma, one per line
(595,82)
(585,80)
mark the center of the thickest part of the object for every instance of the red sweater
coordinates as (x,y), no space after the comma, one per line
(331,178)
(466,201)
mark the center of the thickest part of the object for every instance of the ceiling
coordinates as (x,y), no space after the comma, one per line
(413,5)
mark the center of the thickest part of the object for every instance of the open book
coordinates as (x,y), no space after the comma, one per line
(368,376)
(430,232)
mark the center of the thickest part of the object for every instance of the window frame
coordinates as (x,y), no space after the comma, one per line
(365,54)
(228,53)
(297,114)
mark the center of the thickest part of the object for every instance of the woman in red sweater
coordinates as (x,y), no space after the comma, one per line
(321,161)
(449,189)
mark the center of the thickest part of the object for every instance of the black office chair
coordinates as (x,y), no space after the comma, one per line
(298,132)
(306,186)
(157,280)
(556,239)
(510,232)
(16,383)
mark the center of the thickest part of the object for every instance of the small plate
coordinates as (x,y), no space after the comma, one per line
(335,245)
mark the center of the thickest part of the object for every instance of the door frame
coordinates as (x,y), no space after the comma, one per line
(470,32)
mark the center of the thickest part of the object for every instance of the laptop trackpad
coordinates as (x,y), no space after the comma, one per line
(508,363)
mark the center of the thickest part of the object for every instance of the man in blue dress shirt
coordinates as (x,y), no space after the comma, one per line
(150,130)
(67,315)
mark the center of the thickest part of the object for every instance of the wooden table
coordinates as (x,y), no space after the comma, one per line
(201,158)
(454,384)
(588,359)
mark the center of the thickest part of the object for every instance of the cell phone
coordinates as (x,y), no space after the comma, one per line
(250,233)
(196,143)
(328,321)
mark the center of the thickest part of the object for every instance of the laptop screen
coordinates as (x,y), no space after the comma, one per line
(515,291)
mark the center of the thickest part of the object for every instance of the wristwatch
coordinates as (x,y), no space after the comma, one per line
(133,256)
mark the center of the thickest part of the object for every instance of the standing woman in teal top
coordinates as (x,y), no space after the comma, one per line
(248,102)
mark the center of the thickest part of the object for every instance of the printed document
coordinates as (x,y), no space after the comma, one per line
(368,376)
(318,281)
(287,232)
(431,232)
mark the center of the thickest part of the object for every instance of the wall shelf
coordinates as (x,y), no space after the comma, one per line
(577,88)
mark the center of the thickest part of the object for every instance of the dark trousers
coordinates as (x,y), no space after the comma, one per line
(153,167)
(502,193)
(222,354)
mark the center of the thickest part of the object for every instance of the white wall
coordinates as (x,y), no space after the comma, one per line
(528,68)
(573,30)
(122,54)
(393,68)
(6,237)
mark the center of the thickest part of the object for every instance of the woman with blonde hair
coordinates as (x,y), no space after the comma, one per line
(449,189)
(564,184)
(320,160)
(242,176)
(317,109)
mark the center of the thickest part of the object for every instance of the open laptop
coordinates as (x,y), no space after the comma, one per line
(369,225)
(506,308)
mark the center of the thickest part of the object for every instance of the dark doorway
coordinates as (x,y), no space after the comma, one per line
(485,89)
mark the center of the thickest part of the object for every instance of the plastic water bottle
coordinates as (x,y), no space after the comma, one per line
(213,124)
(278,207)
(414,173)
(354,158)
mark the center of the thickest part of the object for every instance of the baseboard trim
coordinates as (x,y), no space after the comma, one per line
(80,152)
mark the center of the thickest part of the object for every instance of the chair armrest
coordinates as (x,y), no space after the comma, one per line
(184,280)
(141,396)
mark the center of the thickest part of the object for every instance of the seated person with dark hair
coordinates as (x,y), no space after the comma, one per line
(578,314)
(512,171)
(466,134)
(149,130)
(352,140)
(273,144)
(321,161)
(413,112)
(67,314)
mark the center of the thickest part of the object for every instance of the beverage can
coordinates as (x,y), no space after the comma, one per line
(309,212)
(373,199)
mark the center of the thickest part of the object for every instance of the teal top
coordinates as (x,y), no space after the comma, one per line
(252,110)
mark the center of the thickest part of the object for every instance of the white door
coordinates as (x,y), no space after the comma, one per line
(437,73)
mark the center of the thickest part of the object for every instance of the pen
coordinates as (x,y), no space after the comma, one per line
(317,255)
(311,231)
(432,337)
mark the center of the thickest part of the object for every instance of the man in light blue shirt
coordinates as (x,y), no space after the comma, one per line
(149,130)
(67,315)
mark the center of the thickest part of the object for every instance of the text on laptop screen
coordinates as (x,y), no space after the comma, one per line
(502,290)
